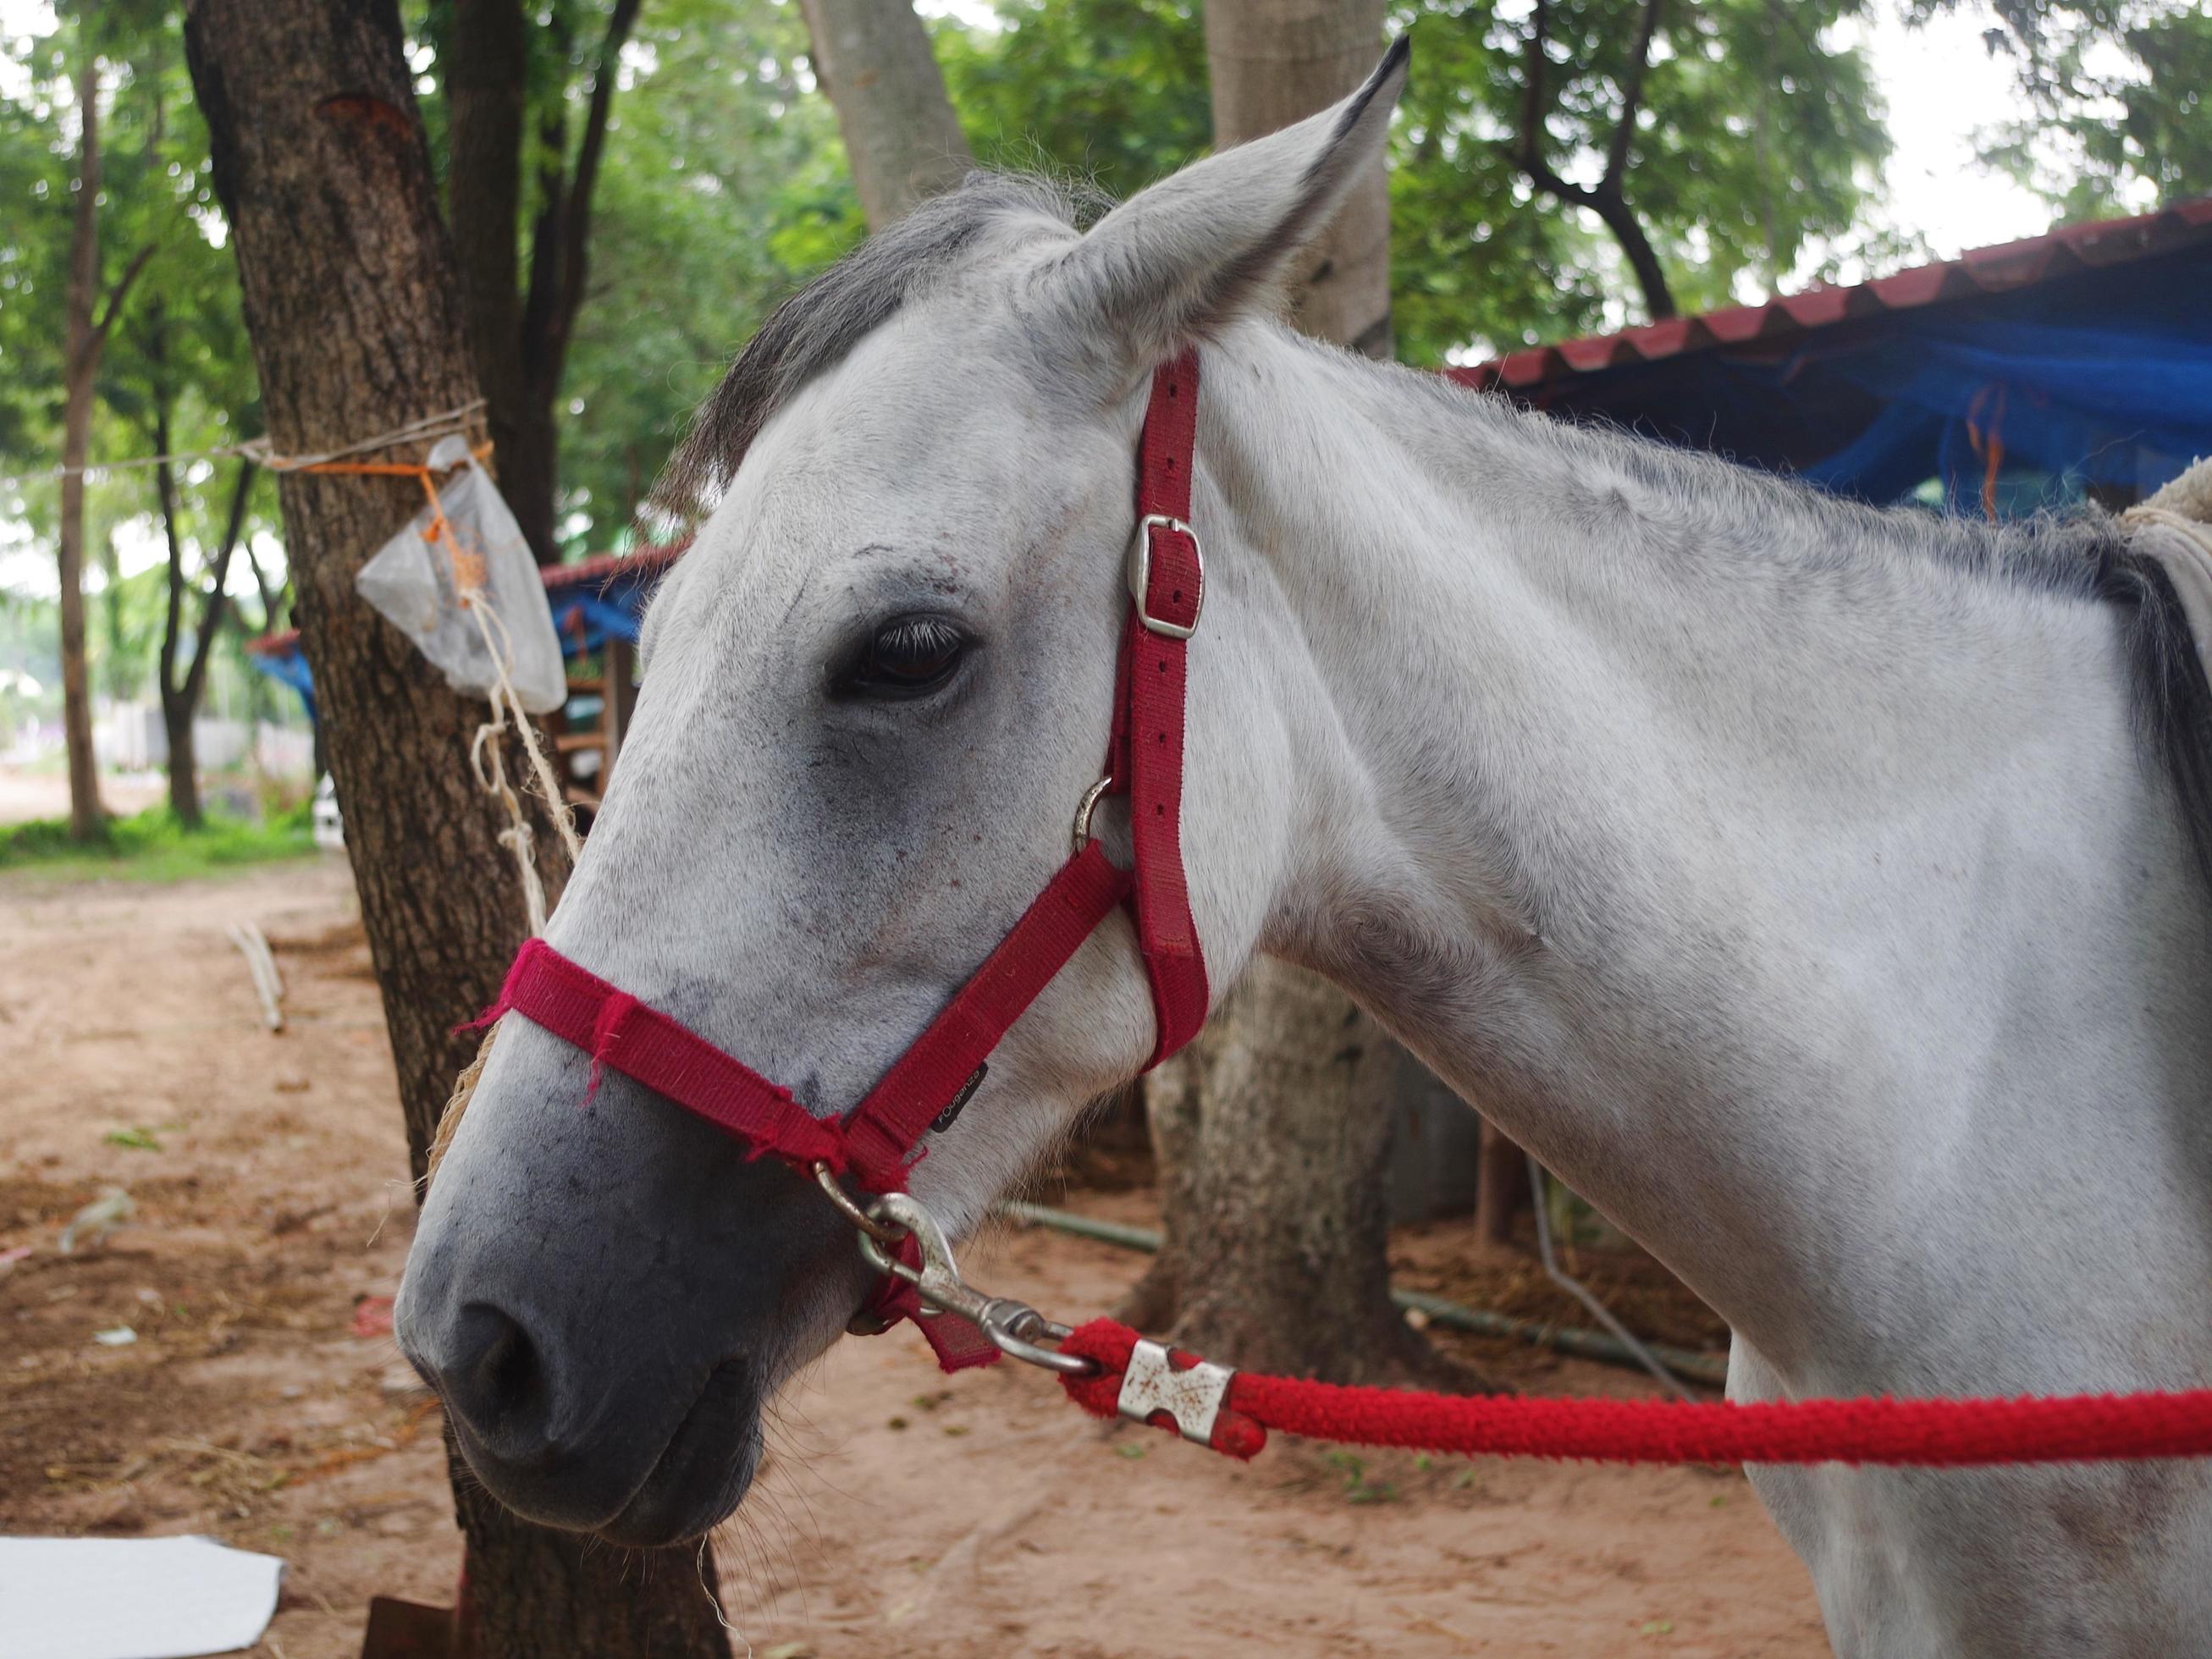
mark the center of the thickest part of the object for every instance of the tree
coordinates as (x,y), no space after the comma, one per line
(1692,144)
(180,697)
(2115,96)
(93,305)
(1114,91)
(1607,197)
(355,319)
(522,334)
(901,139)
(180,376)
(1274,62)
(723,187)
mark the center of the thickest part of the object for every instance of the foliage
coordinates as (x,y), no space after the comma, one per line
(1751,159)
(1751,156)
(180,342)
(1108,94)
(2116,94)
(154,846)
(723,189)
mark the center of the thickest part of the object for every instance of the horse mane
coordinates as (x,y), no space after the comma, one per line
(2080,555)
(813,329)
(2173,697)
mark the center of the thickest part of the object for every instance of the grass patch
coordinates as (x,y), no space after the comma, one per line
(152,846)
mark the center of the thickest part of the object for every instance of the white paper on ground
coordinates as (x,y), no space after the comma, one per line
(132,1598)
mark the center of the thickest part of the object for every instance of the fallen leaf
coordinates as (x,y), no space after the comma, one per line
(371,1315)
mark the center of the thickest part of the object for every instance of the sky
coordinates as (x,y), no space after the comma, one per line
(1939,81)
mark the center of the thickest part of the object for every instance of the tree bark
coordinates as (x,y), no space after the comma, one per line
(902,141)
(1276,1227)
(83,341)
(355,319)
(1274,62)
(1272,1132)
(486,72)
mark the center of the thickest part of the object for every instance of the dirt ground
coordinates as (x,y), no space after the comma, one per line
(901,1511)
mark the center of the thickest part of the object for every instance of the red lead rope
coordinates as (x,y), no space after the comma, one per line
(1923,1433)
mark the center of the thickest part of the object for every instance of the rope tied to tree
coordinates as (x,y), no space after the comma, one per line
(486,754)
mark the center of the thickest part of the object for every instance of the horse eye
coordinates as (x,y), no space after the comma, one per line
(909,656)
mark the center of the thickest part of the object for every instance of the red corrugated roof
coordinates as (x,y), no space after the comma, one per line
(1998,269)
(589,571)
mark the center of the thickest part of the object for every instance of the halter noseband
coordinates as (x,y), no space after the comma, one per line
(879,1141)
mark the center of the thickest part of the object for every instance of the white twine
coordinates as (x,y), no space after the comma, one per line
(441,424)
(489,760)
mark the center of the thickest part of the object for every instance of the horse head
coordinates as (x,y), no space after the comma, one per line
(875,689)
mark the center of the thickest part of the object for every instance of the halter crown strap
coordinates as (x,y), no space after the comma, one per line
(1167,589)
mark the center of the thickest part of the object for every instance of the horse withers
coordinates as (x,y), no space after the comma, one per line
(1817,888)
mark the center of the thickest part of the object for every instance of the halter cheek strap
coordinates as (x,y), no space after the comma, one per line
(879,1141)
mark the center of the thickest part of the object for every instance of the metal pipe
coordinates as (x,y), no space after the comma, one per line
(1539,1184)
(1706,1368)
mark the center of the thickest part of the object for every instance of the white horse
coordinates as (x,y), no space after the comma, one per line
(1815,888)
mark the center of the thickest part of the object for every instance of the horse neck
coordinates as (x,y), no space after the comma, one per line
(1764,872)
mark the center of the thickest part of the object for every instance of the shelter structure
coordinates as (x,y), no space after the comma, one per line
(2068,366)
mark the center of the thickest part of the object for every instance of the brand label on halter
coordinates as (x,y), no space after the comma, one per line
(942,1121)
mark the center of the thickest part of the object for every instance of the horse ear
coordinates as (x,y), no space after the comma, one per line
(1179,260)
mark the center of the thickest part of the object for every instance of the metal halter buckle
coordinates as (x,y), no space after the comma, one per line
(1141,575)
(1015,1327)
(1192,1394)
(1088,806)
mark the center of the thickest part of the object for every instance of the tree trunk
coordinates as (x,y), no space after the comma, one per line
(1278,1228)
(1274,62)
(81,361)
(487,73)
(181,698)
(1504,1191)
(901,139)
(520,338)
(1273,1132)
(350,301)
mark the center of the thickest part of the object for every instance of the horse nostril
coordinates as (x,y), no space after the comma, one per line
(496,1379)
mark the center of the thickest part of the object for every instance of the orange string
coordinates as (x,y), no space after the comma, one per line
(468,565)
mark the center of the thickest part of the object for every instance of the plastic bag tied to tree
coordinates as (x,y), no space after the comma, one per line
(470,552)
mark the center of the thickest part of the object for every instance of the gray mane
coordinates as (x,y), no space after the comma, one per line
(2082,554)
(814,329)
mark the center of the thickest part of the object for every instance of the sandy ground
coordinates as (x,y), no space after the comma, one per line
(901,1511)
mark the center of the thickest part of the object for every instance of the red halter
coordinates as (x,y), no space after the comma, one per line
(879,1141)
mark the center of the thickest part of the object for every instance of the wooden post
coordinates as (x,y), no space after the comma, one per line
(619,693)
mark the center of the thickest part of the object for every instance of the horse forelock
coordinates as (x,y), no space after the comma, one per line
(819,325)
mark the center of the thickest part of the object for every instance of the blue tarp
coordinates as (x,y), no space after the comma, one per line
(2098,382)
